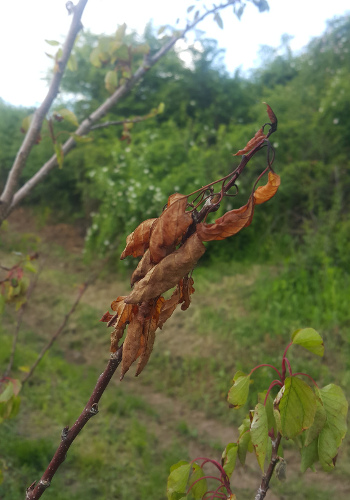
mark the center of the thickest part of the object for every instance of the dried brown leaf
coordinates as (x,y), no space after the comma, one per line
(168,272)
(137,242)
(227,225)
(131,344)
(116,335)
(106,317)
(169,307)
(170,226)
(142,269)
(271,114)
(264,193)
(258,137)
(186,289)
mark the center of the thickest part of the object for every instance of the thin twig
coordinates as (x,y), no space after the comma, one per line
(264,486)
(54,337)
(121,122)
(34,491)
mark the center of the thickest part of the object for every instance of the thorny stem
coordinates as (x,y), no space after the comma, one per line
(264,486)
(34,491)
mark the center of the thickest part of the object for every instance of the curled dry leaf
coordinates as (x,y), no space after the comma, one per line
(258,137)
(168,272)
(227,225)
(137,242)
(264,193)
(186,290)
(272,116)
(132,343)
(170,226)
(142,269)
(169,307)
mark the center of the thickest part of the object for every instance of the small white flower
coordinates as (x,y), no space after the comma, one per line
(275,144)
(105,169)
(336,121)
(106,242)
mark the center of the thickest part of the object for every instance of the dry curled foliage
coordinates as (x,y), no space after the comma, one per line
(171,246)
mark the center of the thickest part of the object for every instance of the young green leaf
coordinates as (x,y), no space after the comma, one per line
(238,393)
(177,480)
(297,407)
(310,339)
(72,64)
(59,154)
(259,433)
(95,58)
(244,445)
(199,489)
(229,457)
(53,43)
(111,81)
(68,115)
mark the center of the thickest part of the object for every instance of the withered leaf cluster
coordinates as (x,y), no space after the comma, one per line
(170,247)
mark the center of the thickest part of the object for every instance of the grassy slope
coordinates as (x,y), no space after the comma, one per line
(176,410)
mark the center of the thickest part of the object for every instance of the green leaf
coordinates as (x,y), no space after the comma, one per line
(229,457)
(244,445)
(310,339)
(201,487)
(95,58)
(28,266)
(111,81)
(309,456)
(160,108)
(72,64)
(161,30)
(297,407)
(190,8)
(333,432)
(259,433)
(8,392)
(238,393)
(68,115)
(245,426)
(177,480)
(318,424)
(59,154)
(143,48)
(54,43)
(26,123)
(218,20)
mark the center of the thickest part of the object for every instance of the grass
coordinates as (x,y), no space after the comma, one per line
(241,315)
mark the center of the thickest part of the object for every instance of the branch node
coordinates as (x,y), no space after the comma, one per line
(64,433)
(94,409)
(45,483)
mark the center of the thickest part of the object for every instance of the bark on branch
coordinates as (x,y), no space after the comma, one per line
(84,128)
(6,200)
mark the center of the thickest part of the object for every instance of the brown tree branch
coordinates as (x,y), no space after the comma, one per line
(6,199)
(264,486)
(34,491)
(86,125)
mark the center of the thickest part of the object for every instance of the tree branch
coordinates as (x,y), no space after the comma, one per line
(264,486)
(6,200)
(34,491)
(86,125)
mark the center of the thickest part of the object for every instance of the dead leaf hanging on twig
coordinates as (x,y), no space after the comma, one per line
(137,242)
(265,193)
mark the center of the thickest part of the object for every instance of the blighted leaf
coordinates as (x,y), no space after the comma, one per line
(178,478)
(142,268)
(227,225)
(168,272)
(297,407)
(111,81)
(170,226)
(272,116)
(169,307)
(68,115)
(265,193)
(131,344)
(137,242)
(238,393)
(281,469)
(228,459)
(200,487)
(257,139)
(310,339)
(186,290)
(59,154)
(259,433)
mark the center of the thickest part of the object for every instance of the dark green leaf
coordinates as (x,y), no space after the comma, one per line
(297,407)
(259,434)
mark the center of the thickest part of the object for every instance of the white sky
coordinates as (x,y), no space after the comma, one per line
(25,24)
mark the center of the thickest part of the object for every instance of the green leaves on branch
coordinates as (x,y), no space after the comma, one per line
(9,399)
(185,476)
(228,459)
(68,115)
(310,340)
(238,393)
(259,434)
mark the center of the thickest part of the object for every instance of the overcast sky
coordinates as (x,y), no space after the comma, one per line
(25,24)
